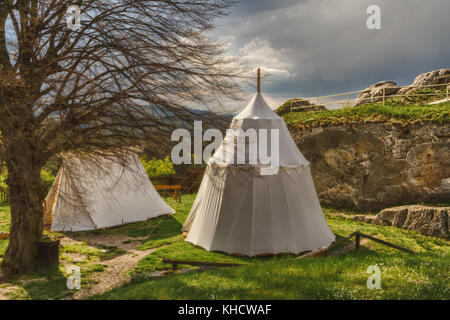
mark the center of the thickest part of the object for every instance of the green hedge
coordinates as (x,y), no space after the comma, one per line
(158,167)
(47,178)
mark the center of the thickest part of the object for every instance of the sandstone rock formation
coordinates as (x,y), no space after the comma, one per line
(378,165)
(374,93)
(303,105)
(430,221)
(441,76)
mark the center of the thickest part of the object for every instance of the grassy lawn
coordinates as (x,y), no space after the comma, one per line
(424,275)
(392,112)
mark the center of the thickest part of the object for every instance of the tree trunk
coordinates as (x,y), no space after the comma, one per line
(26,195)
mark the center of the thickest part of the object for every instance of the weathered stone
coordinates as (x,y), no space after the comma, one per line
(374,93)
(441,76)
(430,221)
(368,167)
(303,105)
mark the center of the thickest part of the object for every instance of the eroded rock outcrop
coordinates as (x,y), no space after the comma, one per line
(430,221)
(378,165)
(374,93)
(303,105)
(436,77)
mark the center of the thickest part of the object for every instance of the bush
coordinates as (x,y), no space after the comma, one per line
(47,178)
(3,176)
(158,167)
(284,108)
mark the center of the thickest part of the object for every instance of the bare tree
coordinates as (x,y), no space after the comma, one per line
(124,77)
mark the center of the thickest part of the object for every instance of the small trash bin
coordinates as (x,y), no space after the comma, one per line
(48,256)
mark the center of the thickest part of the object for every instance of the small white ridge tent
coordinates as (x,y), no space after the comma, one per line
(254,209)
(94,193)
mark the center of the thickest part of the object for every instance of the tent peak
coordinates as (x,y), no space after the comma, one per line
(259,80)
(257,109)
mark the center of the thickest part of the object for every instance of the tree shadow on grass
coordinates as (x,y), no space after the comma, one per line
(37,286)
(163,226)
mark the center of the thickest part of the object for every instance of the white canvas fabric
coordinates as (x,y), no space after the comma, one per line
(240,211)
(89,198)
(258,115)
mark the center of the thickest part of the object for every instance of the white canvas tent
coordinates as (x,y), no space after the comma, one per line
(239,210)
(91,194)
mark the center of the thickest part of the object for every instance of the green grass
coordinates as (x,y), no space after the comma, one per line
(53,285)
(392,112)
(424,275)
(403,276)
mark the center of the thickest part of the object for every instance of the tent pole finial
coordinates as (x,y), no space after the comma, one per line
(259,80)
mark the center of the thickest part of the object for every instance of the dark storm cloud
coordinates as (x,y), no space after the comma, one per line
(318,47)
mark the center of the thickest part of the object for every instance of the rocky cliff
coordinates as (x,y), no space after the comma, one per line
(374,93)
(371,166)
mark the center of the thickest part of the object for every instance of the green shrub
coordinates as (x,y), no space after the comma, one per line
(47,178)
(284,108)
(158,167)
(3,176)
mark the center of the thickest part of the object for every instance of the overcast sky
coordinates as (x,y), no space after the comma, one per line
(321,47)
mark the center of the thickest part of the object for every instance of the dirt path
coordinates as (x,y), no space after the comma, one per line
(6,291)
(115,275)
(117,269)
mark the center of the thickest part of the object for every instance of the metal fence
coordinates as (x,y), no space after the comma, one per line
(347,99)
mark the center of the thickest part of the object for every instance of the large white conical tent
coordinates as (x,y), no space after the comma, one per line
(94,193)
(247,209)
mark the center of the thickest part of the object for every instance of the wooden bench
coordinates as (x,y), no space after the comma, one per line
(175,263)
(4,236)
(175,188)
